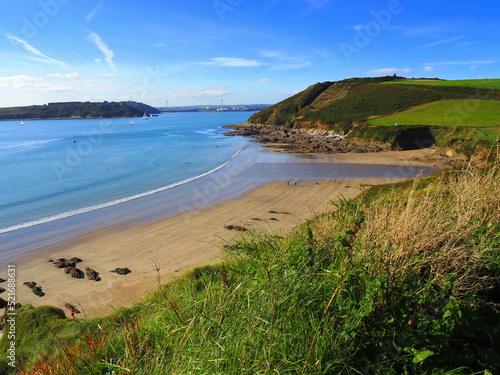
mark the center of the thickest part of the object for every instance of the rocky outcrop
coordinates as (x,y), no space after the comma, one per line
(36,289)
(304,140)
(121,271)
(92,274)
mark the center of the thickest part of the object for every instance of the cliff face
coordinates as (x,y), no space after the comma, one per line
(343,105)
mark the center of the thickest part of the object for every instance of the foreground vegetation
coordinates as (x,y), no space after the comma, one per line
(404,279)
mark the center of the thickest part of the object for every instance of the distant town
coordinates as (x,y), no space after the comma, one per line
(215,108)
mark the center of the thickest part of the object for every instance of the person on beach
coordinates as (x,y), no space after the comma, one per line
(72,311)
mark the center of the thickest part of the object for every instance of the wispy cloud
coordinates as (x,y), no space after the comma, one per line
(39,56)
(264,80)
(20,79)
(32,83)
(443,41)
(285,61)
(202,91)
(103,47)
(159,45)
(433,30)
(468,44)
(476,62)
(67,76)
(233,62)
(292,66)
(389,71)
(94,11)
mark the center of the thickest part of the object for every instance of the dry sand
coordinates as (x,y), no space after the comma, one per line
(181,242)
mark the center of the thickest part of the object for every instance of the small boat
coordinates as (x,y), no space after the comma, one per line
(145,116)
(22,123)
(131,122)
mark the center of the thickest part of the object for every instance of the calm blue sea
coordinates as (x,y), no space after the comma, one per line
(51,169)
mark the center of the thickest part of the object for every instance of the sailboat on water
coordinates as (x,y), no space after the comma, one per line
(145,116)
(22,123)
(131,122)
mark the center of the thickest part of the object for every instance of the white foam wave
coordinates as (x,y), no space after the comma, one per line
(79,211)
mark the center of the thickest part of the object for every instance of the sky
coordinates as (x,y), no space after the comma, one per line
(187,52)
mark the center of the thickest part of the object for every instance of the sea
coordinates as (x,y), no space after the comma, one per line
(62,178)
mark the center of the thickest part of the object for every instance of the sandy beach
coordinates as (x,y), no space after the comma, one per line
(178,243)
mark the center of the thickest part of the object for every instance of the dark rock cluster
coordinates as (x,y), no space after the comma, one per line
(304,140)
(36,289)
(121,270)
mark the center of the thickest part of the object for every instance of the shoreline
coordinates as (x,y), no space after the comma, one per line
(183,241)
(330,142)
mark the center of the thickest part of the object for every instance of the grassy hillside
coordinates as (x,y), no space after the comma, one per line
(404,279)
(368,108)
(344,104)
(488,83)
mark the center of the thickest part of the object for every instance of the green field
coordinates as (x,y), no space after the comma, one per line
(473,113)
(493,83)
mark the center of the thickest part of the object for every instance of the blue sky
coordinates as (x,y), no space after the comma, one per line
(242,51)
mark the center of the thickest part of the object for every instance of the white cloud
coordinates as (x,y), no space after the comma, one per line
(41,56)
(109,75)
(286,61)
(159,45)
(429,69)
(472,67)
(30,83)
(477,62)
(276,55)
(389,71)
(264,80)
(103,47)
(202,91)
(73,75)
(94,11)
(433,30)
(298,65)
(20,79)
(233,62)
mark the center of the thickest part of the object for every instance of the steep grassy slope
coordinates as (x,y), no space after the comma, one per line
(402,280)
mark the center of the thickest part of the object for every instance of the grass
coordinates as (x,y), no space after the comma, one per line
(489,83)
(472,113)
(404,279)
